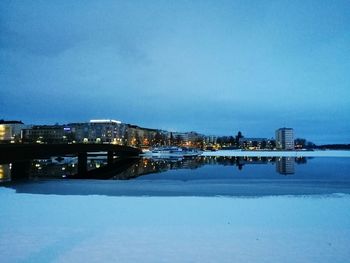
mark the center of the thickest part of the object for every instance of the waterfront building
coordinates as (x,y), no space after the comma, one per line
(255,143)
(210,139)
(285,139)
(98,131)
(190,139)
(10,131)
(47,134)
(144,137)
(95,131)
(115,132)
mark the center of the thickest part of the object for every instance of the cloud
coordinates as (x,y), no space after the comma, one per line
(211,66)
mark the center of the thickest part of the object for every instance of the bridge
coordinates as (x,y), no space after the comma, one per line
(22,153)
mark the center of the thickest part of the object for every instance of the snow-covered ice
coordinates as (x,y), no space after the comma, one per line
(239,153)
(93,228)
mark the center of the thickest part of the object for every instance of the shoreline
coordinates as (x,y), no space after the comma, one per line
(240,153)
(176,188)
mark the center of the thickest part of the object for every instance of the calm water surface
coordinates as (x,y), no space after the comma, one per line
(200,176)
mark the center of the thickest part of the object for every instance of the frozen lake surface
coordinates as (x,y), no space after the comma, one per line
(326,153)
(208,209)
(52,228)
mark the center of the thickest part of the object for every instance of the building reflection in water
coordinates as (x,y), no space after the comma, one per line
(285,165)
(148,166)
(67,167)
(5,173)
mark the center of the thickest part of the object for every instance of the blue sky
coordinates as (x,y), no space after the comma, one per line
(211,66)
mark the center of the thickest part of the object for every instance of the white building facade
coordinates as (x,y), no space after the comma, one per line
(285,139)
(10,131)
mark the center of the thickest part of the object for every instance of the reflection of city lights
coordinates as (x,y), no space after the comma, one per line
(5,132)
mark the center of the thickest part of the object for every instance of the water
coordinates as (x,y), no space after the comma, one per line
(200,176)
(206,209)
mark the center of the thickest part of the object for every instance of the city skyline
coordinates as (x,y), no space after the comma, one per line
(116,132)
(210,67)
